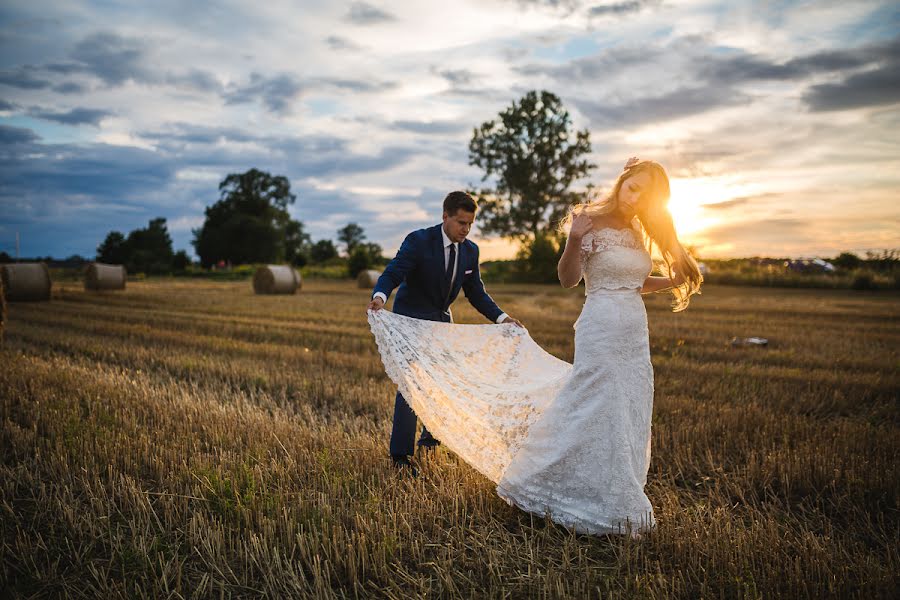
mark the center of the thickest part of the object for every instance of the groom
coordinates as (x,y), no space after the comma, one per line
(430,268)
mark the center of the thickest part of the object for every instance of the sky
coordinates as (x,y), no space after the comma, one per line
(778,122)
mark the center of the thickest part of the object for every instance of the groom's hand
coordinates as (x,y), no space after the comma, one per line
(515,322)
(375,305)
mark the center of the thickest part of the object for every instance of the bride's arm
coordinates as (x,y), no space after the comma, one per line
(569,267)
(658,284)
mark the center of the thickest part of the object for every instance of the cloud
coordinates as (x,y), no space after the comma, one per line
(618,8)
(363,13)
(6,106)
(69,87)
(277,93)
(741,201)
(76,116)
(431,127)
(112,58)
(673,105)
(195,79)
(339,43)
(15,135)
(871,88)
(457,77)
(23,78)
(743,67)
(353,85)
(567,5)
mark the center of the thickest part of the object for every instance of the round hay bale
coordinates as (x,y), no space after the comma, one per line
(100,276)
(26,281)
(367,279)
(276,279)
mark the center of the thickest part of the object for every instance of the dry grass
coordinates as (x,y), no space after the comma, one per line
(194,440)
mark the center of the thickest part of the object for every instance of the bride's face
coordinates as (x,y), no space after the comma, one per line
(631,194)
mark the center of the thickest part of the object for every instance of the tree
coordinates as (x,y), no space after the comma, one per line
(296,243)
(322,250)
(533,157)
(352,235)
(181,261)
(113,249)
(847,260)
(364,256)
(149,250)
(250,223)
(539,258)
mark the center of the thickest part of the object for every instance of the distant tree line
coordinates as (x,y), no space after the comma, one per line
(250,223)
(147,250)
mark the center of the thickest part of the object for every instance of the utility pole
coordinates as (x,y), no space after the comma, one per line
(17,246)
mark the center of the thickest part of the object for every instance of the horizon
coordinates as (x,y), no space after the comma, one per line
(767,119)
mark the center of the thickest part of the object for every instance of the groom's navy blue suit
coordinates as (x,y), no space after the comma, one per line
(425,293)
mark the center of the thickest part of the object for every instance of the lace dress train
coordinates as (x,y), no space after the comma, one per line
(571,441)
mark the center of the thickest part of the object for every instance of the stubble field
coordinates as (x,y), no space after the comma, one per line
(190,439)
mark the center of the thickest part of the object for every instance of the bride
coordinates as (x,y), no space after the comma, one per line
(570,441)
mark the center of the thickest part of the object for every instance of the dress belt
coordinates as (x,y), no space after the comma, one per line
(616,292)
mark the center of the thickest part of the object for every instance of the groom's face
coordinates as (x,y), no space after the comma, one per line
(457,226)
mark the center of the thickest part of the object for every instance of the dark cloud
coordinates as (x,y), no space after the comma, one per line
(195,79)
(363,13)
(10,136)
(673,105)
(4,105)
(747,67)
(76,116)
(353,85)
(339,43)
(566,5)
(66,197)
(112,58)
(729,204)
(68,68)
(457,77)
(276,93)
(605,64)
(618,9)
(99,170)
(69,87)
(871,88)
(197,134)
(430,127)
(23,78)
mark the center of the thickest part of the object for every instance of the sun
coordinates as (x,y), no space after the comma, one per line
(691,197)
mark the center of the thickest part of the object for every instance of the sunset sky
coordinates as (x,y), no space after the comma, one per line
(778,122)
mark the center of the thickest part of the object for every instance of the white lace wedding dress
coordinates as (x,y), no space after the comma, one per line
(569,440)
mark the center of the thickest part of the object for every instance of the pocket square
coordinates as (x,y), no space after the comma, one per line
(467,272)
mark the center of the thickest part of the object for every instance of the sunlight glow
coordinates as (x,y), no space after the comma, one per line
(690,196)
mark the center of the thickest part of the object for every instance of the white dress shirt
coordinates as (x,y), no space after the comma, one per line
(447,243)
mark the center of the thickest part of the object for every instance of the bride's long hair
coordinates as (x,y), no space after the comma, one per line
(656,228)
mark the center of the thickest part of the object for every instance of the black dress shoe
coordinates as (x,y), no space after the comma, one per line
(405,468)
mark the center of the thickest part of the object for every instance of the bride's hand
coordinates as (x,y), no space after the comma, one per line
(581,224)
(631,162)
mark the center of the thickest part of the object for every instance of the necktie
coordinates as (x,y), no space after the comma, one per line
(448,274)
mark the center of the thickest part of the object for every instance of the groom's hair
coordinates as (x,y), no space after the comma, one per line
(459,200)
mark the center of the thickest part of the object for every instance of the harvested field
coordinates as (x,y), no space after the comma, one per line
(193,439)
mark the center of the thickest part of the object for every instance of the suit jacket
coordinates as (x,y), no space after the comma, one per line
(418,270)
